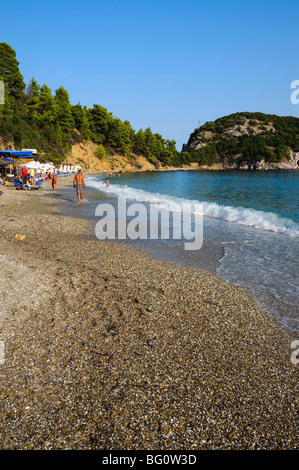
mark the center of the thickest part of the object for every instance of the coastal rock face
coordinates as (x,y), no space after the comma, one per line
(291,164)
(84,155)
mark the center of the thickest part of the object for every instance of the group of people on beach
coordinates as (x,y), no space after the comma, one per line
(78,183)
(24,176)
(27,176)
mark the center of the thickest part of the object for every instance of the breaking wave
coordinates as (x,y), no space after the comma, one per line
(239,215)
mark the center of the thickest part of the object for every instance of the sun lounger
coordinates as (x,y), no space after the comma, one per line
(23,186)
(18,184)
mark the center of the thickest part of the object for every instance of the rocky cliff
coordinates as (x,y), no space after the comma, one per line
(84,155)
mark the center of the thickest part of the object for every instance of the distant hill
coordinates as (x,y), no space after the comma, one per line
(246,140)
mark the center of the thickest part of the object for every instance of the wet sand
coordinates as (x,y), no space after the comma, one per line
(108,348)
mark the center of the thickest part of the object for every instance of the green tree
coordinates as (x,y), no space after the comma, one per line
(159,145)
(171,145)
(125,143)
(10,73)
(113,135)
(32,99)
(64,113)
(81,123)
(100,152)
(139,143)
(47,106)
(149,142)
(32,90)
(99,120)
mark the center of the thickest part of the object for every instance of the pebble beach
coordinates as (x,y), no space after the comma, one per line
(107,348)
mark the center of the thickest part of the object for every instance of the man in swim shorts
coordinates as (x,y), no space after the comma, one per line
(79,184)
(54,180)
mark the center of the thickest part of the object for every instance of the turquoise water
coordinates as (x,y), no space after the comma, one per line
(226,194)
(250,227)
(268,191)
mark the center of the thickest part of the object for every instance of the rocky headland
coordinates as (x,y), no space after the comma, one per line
(247,141)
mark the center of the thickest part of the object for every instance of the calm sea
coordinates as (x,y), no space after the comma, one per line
(250,227)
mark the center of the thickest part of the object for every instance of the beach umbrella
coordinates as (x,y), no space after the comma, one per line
(32,165)
(46,167)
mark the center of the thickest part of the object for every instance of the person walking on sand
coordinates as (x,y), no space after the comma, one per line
(79,184)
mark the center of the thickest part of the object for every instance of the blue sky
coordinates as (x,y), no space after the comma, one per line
(161,64)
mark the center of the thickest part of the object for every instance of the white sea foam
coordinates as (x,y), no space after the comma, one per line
(268,221)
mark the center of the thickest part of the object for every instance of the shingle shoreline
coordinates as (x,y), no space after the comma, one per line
(107,348)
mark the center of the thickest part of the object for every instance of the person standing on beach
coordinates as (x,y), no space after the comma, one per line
(24,174)
(54,181)
(79,184)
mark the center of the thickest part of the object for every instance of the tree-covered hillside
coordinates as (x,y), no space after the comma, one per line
(244,137)
(33,117)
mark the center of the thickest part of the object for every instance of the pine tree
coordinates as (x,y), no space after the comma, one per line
(10,73)
(119,136)
(81,123)
(33,89)
(114,134)
(99,120)
(125,144)
(159,146)
(139,143)
(85,129)
(47,106)
(32,100)
(149,142)
(64,113)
